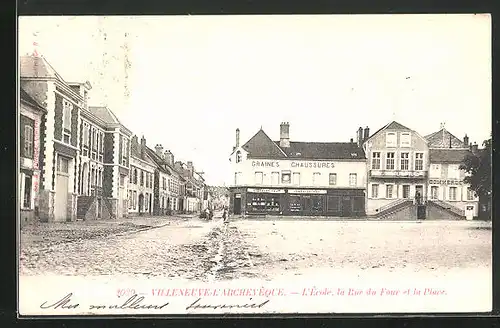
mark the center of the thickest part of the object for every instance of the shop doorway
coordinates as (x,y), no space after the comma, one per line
(62,186)
(237,205)
(346,206)
(419,190)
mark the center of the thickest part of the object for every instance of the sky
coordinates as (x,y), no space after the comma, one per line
(187,82)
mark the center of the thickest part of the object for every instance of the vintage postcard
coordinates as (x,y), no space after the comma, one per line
(217,165)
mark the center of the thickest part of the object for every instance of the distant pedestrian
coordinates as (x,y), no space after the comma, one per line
(207,213)
(225,215)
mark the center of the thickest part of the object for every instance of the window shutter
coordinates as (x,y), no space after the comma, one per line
(21,128)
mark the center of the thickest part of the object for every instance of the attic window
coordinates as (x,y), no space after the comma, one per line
(238,156)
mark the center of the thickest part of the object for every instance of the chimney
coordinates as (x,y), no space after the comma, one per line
(285,134)
(190,167)
(143,147)
(366,134)
(360,136)
(159,151)
(169,157)
(466,140)
(237,138)
(133,145)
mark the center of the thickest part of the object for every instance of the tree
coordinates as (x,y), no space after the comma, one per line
(478,167)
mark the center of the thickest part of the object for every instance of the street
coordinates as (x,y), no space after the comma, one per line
(206,250)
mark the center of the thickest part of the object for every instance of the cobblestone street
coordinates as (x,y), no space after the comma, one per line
(201,250)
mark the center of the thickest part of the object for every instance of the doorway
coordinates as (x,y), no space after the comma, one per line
(346,206)
(306,205)
(62,186)
(141,203)
(237,204)
(419,190)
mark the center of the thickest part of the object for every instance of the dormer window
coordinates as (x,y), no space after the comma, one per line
(238,156)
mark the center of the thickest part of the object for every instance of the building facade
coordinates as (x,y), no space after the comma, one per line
(192,187)
(162,176)
(397,167)
(141,179)
(104,165)
(297,178)
(59,136)
(31,115)
(446,184)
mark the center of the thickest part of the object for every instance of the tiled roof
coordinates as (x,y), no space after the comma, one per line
(157,160)
(24,96)
(260,146)
(442,139)
(104,114)
(324,150)
(448,155)
(32,66)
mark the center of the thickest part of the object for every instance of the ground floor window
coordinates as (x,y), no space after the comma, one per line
(434,192)
(406,191)
(135,199)
(388,191)
(470,194)
(27,191)
(295,204)
(374,190)
(453,193)
(263,203)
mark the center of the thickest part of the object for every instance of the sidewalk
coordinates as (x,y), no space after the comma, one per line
(42,234)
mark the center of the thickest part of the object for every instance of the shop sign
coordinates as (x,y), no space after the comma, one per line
(266,191)
(306,191)
(446,182)
(293,164)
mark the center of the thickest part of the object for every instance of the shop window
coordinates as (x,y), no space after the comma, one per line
(353,179)
(405,139)
(358,204)
(390,139)
(406,191)
(374,190)
(388,191)
(296,178)
(389,161)
(333,203)
(316,178)
(419,161)
(405,161)
(285,177)
(295,204)
(453,193)
(434,192)
(376,161)
(27,191)
(332,179)
(275,176)
(470,194)
(259,176)
(317,203)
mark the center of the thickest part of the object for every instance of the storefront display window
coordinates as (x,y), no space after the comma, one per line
(295,204)
(263,203)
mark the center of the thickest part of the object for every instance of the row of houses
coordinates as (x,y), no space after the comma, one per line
(380,175)
(80,162)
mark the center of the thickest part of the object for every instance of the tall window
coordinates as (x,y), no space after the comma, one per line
(28,141)
(389,161)
(101,145)
(85,135)
(238,156)
(67,108)
(419,161)
(286,177)
(236,178)
(353,179)
(390,139)
(316,178)
(405,139)
(332,179)
(27,191)
(434,192)
(388,191)
(258,178)
(122,180)
(296,178)
(453,193)
(404,161)
(124,151)
(376,161)
(374,190)
(62,164)
(406,191)
(275,177)
(470,194)
(142,178)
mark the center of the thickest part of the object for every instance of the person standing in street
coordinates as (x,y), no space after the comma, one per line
(225,215)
